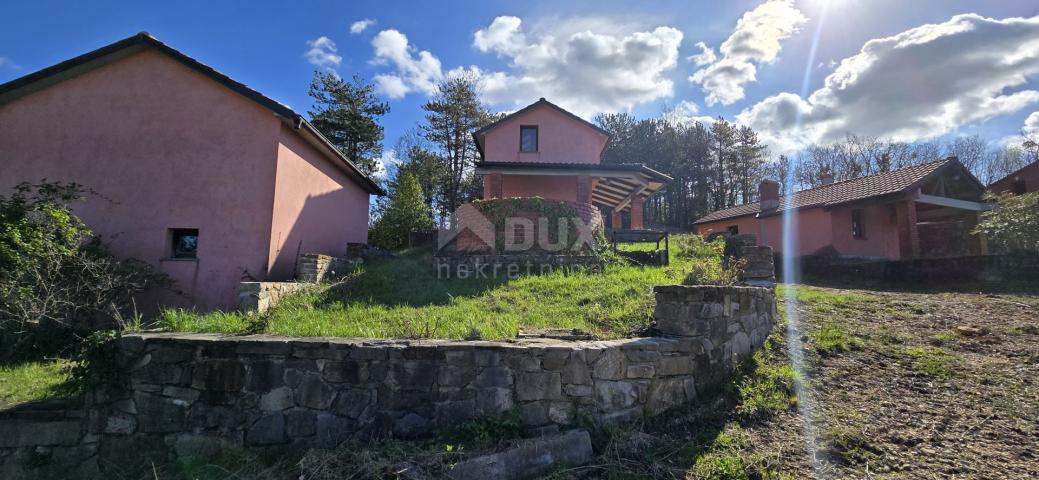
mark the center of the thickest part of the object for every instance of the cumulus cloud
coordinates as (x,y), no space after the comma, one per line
(687,112)
(757,40)
(577,67)
(322,53)
(705,57)
(412,73)
(1031,127)
(361,25)
(924,82)
(385,164)
(569,63)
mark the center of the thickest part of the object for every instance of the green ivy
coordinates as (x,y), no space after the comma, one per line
(498,210)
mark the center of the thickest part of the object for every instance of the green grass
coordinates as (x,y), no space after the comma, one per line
(403,298)
(933,361)
(833,337)
(30,381)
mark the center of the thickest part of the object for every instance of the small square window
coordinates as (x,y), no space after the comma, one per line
(528,139)
(1019,187)
(183,243)
(857,230)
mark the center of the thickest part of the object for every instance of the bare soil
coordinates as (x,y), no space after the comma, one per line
(931,385)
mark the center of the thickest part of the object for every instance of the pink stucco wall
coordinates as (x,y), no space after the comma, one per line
(164,147)
(317,208)
(818,229)
(561,139)
(562,187)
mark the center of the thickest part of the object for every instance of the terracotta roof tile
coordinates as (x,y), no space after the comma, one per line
(871,186)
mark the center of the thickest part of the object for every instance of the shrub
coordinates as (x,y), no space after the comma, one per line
(56,279)
(1013,225)
(405,212)
(707,260)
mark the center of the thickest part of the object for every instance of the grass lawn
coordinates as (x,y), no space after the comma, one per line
(29,381)
(402,298)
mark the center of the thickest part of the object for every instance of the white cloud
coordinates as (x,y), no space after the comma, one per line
(705,57)
(924,82)
(386,163)
(1031,125)
(421,73)
(361,25)
(575,66)
(323,53)
(686,112)
(567,62)
(756,40)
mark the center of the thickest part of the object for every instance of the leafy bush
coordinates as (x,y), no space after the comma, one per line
(1013,225)
(707,261)
(405,212)
(56,279)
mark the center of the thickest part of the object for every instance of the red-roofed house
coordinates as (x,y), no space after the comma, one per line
(196,173)
(925,210)
(1024,180)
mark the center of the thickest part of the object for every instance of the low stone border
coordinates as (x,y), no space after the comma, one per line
(259,297)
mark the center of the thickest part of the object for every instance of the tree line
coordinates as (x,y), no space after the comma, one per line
(714,165)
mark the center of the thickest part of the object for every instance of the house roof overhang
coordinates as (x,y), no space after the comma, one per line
(126,47)
(616,186)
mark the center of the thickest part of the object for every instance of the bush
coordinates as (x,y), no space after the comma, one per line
(405,212)
(1013,225)
(707,259)
(56,279)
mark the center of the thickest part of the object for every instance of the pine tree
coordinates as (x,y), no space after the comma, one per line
(347,115)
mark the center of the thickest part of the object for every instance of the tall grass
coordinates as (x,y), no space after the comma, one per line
(402,297)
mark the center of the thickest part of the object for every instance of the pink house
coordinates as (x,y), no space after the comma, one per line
(926,210)
(196,173)
(545,151)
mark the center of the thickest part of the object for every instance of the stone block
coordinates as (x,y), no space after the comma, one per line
(534,413)
(640,371)
(267,430)
(300,423)
(611,396)
(665,393)
(456,375)
(578,390)
(641,355)
(609,365)
(219,376)
(313,393)
(528,459)
(348,371)
(677,365)
(156,414)
(493,377)
(555,359)
(410,425)
(265,375)
(277,400)
(353,402)
(491,401)
(117,423)
(31,433)
(538,386)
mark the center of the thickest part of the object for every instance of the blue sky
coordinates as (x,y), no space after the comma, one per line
(926,73)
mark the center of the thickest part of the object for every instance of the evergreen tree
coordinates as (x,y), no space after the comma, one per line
(347,114)
(452,115)
(405,211)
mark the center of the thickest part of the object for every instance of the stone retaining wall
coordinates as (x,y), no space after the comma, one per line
(314,268)
(258,297)
(187,394)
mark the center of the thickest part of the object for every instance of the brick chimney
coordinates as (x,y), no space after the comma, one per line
(768,192)
(826,178)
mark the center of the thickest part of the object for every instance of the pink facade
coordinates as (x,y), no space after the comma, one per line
(1024,180)
(167,147)
(561,139)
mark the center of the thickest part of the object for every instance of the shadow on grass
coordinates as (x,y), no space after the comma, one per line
(407,280)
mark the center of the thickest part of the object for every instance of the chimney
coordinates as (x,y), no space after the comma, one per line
(768,193)
(826,178)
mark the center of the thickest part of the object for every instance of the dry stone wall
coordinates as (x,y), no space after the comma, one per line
(186,394)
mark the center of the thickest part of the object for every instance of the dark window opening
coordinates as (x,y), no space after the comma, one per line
(857,229)
(183,243)
(1019,187)
(528,139)
(733,229)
